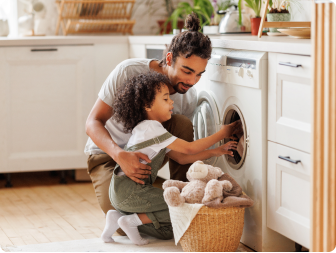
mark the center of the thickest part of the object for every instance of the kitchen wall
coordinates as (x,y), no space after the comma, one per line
(300,12)
(145,12)
(45,23)
(304,13)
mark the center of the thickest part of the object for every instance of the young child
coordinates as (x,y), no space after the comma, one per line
(142,104)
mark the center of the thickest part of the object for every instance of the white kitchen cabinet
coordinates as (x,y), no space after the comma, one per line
(107,57)
(137,51)
(46,95)
(288,192)
(288,159)
(289,96)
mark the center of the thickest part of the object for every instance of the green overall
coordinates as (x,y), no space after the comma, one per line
(129,197)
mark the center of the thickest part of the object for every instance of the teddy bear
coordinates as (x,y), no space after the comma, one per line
(202,188)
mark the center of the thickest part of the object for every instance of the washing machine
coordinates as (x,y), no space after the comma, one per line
(234,87)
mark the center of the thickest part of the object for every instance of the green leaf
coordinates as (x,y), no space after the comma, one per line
(239,11)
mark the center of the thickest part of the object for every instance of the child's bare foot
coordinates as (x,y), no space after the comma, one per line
(130,223)
(111,225)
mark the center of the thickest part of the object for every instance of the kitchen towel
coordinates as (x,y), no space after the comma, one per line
(181,217)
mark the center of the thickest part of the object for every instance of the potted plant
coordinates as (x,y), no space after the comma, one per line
(167,28)
(202,8)
(280,11)
(255,5)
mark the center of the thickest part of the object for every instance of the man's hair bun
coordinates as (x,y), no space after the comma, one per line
(192,23)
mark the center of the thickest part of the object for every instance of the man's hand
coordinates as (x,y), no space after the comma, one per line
(226,149)
(132,167)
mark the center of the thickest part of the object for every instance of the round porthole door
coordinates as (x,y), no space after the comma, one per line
(206,120)
(233,113)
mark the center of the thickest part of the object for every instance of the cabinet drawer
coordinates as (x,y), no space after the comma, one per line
(288,193)
(289,101)
(286,64)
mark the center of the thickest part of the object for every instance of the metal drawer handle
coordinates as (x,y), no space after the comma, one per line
(287,158)
(290,64)
(43,49)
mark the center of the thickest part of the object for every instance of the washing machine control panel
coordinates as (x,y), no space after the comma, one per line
(238,67)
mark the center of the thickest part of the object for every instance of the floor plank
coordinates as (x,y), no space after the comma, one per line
(4,238)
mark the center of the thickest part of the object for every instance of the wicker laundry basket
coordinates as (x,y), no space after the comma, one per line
(214,230)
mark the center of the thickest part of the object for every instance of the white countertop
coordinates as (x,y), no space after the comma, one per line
(278,44)
(60,40)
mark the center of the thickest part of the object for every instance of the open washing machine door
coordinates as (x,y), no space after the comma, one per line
(206,120)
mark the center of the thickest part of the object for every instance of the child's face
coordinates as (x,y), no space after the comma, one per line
(162,107)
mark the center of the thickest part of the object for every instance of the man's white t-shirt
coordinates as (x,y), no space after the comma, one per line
(184,104)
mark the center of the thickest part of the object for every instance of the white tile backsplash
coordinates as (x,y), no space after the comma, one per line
(304,13)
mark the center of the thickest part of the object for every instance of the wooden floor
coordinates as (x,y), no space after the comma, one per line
(37,209)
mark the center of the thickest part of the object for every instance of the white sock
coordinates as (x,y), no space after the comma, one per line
(111,225)
(130,223)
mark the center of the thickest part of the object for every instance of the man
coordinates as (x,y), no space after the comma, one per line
(184,64)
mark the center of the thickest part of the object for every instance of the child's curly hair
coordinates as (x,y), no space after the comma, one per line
(134,96)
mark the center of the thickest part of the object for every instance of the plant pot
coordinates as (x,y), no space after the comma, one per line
(211,29)
(180,25)
(255,23)
(278,17)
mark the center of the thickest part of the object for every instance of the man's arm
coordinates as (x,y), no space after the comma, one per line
(128,161)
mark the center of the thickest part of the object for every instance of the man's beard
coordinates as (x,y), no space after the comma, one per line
(179,90)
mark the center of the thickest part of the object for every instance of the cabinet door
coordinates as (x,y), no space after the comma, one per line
(289,100)
(137,51)
(46,96)
(288,193)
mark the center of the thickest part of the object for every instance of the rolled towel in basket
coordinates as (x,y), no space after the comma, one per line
(235,197)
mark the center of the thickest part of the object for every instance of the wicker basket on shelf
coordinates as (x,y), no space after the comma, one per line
(95,16)
(214,230)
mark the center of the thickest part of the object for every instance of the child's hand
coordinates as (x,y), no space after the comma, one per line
(226,149)
(231,129)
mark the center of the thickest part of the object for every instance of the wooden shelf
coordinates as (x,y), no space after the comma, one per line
(95,16)
(265,24)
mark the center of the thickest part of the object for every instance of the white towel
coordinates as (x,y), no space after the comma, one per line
(181,217)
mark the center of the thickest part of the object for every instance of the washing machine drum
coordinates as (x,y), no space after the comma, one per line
(232,114)
(205,125)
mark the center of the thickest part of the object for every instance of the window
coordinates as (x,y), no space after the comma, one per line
(9,7)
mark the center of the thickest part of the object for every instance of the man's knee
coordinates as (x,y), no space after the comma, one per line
(180,126)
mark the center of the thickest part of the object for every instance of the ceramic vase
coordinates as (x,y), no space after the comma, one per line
(278,17)
(4,28)
(255,23)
